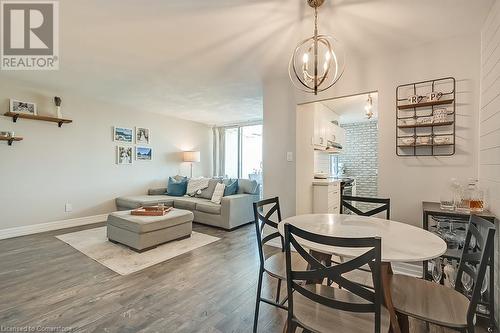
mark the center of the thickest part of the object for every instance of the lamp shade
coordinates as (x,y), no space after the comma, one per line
(191,156)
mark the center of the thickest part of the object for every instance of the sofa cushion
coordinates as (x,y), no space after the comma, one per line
(209,191)
(187,202)
(177,188)
(247,186)
(196,185)
(136,201)
(231,187)
(208,207)
(142,224)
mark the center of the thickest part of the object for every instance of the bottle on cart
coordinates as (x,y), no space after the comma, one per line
(463,199)
(476,197)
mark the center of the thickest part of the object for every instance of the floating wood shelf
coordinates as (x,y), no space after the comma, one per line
(426,104)
(427,125)
(10,139)
(59,121)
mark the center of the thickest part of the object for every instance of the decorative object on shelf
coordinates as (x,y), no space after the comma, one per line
(425,120)
(408,141)
(369,107)
(143,153)
(22,107)
(123,134)
(408,122)
(124,155)
(434,96)
(423,140)
(425,110)
(441,115)
(443,140)
(318,62)
(415,99)
(57,102)
(5,134)
(191,156)
(142,136)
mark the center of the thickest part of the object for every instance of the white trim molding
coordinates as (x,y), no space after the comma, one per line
(50,226)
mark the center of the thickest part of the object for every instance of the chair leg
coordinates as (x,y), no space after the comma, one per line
(404,324)
(257,301)
(278,290)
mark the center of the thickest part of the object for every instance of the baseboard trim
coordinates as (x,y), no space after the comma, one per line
(50,226)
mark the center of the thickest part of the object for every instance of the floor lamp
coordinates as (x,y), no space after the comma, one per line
(191,156)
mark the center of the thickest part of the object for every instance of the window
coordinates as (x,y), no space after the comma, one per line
(243,152)
(231,152)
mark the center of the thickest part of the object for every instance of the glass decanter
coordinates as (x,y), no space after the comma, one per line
(476,197)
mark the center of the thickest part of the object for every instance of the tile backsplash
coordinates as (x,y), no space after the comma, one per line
(321,162)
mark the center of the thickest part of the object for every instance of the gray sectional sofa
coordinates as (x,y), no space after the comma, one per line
(233,211)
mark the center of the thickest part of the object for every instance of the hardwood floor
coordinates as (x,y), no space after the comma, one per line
(45,282)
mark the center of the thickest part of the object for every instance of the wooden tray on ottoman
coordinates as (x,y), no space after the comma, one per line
(151,211)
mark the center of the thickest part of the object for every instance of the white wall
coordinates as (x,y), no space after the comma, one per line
(406,180)
(278,139)
(76,163)
(489,125)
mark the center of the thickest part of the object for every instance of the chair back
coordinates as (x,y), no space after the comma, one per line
(263,219)
(385,205)
(316,271)
(474,260)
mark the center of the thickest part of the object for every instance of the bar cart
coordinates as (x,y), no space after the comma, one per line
(433,216)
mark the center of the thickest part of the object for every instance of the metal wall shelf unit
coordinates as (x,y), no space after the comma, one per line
(417,112)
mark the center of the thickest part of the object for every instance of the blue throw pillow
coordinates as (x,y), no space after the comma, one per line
(231,187)
(177,188)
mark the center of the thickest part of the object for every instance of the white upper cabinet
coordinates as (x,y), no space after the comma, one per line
(324,129)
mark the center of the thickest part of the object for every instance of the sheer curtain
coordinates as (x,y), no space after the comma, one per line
(219,151)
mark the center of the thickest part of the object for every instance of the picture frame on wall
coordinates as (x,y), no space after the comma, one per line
(142,136)
(124,155)
(143,153)
(16,106)
(123,134)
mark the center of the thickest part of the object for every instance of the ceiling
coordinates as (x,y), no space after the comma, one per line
(351,109)
(205,60)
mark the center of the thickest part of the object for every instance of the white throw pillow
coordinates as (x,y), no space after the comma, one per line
(218,193)
(196,184)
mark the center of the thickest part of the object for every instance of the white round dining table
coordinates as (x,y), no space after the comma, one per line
(400,243)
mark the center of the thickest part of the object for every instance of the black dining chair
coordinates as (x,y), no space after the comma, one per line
(384,205)
(347,204)
(444,306)
(316,307)
(274,265)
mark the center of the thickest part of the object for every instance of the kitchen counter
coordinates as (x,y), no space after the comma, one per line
(325,182)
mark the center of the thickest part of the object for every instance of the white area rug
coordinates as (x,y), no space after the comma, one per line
(119,258)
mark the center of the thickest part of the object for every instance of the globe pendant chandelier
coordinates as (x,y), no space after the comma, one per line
(318,62)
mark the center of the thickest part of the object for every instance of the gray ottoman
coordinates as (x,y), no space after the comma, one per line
(142,233)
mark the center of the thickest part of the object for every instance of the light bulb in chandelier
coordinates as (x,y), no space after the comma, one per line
(318,62)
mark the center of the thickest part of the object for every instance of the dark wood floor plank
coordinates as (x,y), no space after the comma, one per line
(46,282)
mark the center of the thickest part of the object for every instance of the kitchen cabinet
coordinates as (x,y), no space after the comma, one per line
(326,196)
(325,130)
(320,130)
